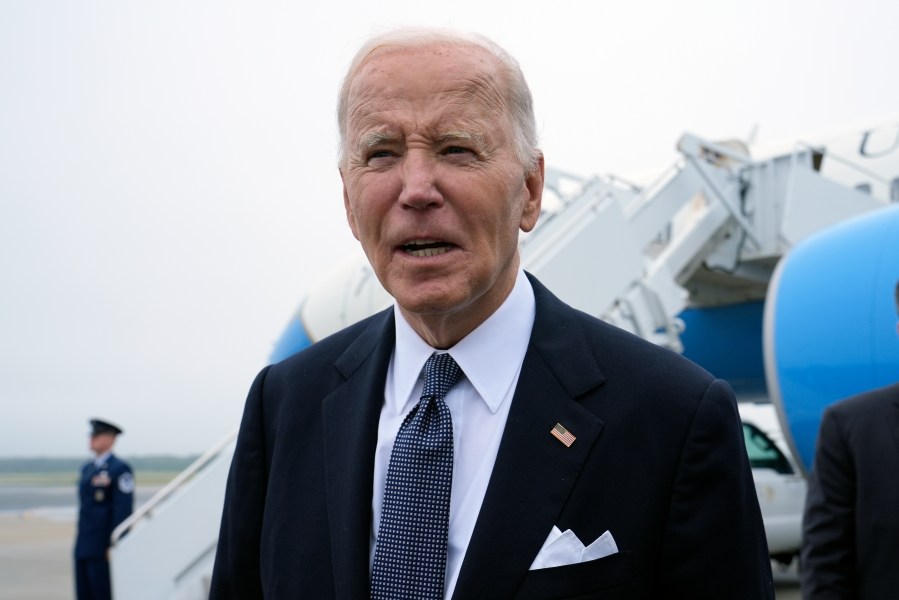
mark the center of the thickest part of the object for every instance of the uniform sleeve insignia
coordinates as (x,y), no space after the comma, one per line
(126,483)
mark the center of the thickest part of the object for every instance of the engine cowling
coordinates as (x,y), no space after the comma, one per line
(830,322)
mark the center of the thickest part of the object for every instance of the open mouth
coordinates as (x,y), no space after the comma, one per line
(421,248)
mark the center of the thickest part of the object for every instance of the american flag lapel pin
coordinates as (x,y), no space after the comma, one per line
(563,435)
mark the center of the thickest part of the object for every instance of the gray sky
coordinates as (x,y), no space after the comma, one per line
(168,187)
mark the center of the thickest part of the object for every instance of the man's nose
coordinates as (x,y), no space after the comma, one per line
(419,172)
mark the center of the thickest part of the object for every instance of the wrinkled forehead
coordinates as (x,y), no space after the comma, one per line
(404,72)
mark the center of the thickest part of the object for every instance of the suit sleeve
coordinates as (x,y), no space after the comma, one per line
(828,554)
(715,544)
(236,574)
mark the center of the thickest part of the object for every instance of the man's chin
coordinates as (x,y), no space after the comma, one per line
(429,304)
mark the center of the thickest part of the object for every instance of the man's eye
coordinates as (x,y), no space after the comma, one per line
(379,157)
(456,150)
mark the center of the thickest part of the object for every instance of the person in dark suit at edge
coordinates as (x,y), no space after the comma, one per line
(850,529)
(106,498)
(586,462)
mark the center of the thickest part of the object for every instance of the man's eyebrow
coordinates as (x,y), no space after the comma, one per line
(375,138)
(462,135)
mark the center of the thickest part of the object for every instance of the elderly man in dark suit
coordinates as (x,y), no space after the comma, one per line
(541,454)
(850,538)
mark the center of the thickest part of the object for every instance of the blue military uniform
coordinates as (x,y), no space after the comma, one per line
(106,493)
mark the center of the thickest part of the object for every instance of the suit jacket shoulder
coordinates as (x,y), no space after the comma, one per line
(337,354)
(296,520)
(636,363)
(117,466)
(871,404)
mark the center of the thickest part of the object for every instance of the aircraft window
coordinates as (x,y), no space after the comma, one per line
(763,453)
(894,190)
(864,188)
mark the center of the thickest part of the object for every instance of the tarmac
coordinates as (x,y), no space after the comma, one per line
(36,558)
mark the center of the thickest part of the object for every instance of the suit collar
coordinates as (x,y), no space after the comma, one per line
(534,472)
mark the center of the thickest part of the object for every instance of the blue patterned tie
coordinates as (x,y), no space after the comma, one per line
(410,557)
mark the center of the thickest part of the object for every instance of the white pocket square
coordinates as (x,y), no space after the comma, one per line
(564,548)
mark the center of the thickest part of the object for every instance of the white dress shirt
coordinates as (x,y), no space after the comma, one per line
(490,358)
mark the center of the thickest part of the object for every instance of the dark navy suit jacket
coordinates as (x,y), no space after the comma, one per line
(851,526)
(659,461)
(106,496)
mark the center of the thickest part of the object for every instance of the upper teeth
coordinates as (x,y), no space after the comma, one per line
(426,247)
(428,251)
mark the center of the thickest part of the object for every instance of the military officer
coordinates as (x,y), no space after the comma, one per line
(106,493)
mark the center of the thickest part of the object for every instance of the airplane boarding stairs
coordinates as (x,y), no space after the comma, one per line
(165,550)
(708,232)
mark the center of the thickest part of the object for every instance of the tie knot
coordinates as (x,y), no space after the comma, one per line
(441,373)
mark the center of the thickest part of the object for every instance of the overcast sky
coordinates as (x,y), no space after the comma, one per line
(168,187)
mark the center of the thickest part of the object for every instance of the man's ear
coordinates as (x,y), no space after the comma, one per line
(350,217)
(533,182)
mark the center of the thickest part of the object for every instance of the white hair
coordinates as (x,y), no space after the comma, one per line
(515,91)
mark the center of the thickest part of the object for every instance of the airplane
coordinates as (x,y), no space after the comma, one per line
(771,268)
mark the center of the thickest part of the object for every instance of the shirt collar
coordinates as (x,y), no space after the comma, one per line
(98,462)
(490,356)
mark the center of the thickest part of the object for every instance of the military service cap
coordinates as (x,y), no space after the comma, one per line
(98,427)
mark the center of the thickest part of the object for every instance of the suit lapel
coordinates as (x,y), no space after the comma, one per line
(534,472)
(351,416)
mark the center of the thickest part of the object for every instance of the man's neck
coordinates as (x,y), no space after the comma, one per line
(443,330)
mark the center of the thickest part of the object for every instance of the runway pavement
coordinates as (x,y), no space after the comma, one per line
(36,557)
(36,563)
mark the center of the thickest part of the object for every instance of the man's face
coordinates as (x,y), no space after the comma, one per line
(432,186)
(101,442)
